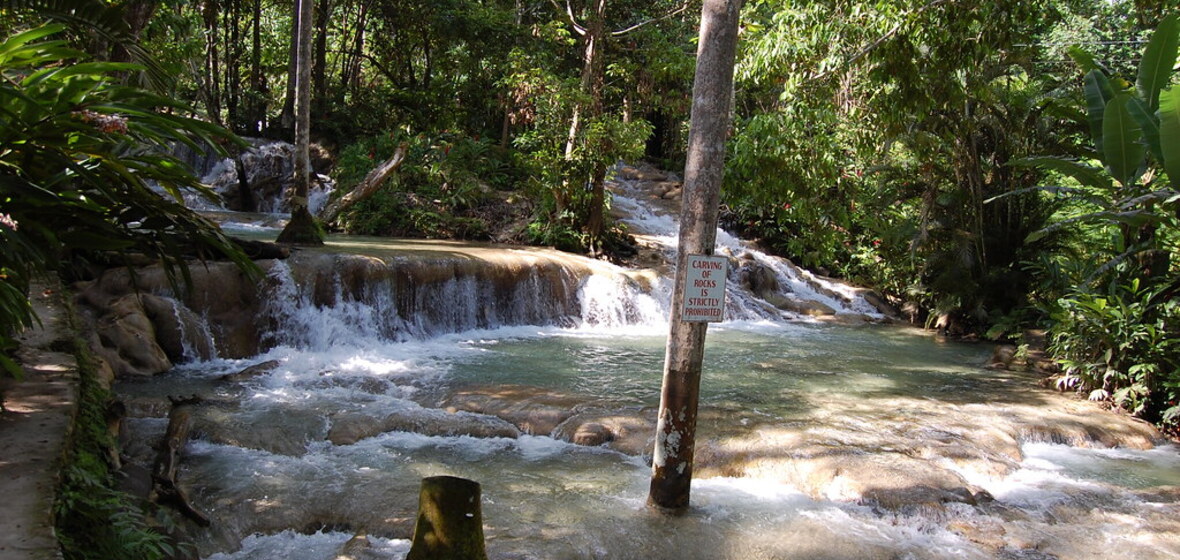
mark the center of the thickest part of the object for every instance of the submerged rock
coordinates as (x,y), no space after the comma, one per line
(534,410)
(630,431)
(348,428)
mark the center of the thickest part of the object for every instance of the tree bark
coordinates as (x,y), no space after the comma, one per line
(450,523)
(319,71)
(302,228)
(287,115)
(212,89)
(672,462)
(233,56)
(257,111)
(369,185)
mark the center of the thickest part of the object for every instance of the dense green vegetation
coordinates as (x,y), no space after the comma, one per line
(93,519)
(956,155)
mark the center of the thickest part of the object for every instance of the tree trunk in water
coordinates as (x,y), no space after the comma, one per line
(302,228)
(712,89)
(450,523)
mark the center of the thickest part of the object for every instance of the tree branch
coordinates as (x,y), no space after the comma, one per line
(569,12)
(367,186)
(877,43)
(376,63)
(672,13)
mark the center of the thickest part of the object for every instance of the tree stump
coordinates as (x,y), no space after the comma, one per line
(450,524)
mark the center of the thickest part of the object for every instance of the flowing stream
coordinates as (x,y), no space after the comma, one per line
(816,440)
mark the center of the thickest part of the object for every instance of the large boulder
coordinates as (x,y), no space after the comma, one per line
(127,339)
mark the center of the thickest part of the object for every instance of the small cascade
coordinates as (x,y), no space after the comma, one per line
(259,179)
(760,286)
(318,301)
(196,338)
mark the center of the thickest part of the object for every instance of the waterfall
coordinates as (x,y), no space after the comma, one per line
(259,179)
(760,286)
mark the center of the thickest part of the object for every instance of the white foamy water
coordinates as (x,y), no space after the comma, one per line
(661,228)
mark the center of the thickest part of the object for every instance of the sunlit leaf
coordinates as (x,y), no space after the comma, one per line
(1123,151)
(1155,68)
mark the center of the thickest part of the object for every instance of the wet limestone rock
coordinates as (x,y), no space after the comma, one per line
(127,339)
(628,431)
(350,428)
(534,410)
(146,322)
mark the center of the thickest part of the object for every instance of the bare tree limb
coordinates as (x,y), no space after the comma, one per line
(569,12)
(672,13)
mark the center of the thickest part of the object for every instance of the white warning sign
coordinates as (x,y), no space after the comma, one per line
(704,289)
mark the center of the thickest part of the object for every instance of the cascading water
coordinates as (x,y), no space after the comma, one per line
(257,180)
(535,374)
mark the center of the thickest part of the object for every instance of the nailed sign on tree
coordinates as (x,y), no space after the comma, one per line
(704,289)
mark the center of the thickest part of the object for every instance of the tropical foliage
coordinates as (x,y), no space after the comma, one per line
(948,153)
(1116,328)
(85,174)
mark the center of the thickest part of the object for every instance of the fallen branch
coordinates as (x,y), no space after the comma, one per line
(367,186)
(164,486)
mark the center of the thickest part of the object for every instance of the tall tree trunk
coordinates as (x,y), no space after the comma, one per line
(136,13)
(593,36)
(287,116)
(257,78)
(593,81)
(302,228)
(319,72)
(212,68)
(351,76)
(233,55)
(712,90)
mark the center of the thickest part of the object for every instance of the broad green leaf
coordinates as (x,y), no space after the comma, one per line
(19,40)
(1169,119)
(1123,150)
(1087,175)
(1083,58)
(1149,123)
(11,368)
(1155,68)
(1099,92)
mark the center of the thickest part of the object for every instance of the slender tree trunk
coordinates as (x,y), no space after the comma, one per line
(352,77)
(212,68)
(287,116)
(319,74)
(233,55)
(672,461)
(302,228)
(257,78)
(591,84)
